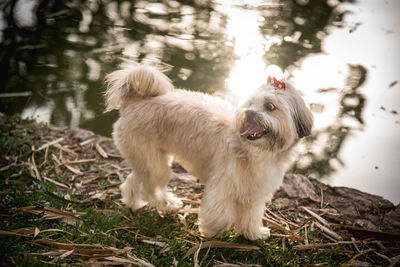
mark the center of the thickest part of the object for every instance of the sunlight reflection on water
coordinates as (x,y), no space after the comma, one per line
(249,70)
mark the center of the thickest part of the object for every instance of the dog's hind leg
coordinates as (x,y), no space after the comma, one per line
(131,192)
(148,182)
(156,181)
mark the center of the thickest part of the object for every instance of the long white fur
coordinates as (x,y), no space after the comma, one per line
(203,134)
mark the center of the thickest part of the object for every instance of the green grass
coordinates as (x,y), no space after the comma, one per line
(106,222)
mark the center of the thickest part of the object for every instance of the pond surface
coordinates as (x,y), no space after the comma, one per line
(343,55)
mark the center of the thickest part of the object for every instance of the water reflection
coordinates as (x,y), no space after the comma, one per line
(296,30)
(61,50)
(64,52)
(284,35)
(322,152)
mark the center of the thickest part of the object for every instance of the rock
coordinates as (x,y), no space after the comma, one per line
(300,187)
(353,206)
(392,218)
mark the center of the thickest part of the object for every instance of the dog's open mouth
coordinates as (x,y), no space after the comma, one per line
(253,132)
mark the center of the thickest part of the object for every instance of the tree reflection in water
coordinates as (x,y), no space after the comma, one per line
(61,50)
(324,146)
(63,57)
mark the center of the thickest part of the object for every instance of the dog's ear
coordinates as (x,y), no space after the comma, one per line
(303,126)
(303,120)
(302,117)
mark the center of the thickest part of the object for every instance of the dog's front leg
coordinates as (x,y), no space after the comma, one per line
(248,221)
(216,212)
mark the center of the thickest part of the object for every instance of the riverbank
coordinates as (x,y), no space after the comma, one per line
(60,204)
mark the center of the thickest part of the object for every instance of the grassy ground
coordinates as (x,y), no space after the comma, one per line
(60,204)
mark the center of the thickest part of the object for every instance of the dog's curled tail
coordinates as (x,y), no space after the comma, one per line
(134,81)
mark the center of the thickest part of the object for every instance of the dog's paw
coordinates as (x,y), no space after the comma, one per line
(265,233)
(134,204)
(131,196)
(174,203)
(260,233)
(206,232)
(170,204)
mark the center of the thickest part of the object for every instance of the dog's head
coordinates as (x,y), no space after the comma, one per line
(274,118)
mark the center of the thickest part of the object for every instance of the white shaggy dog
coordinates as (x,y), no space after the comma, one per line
(239,154)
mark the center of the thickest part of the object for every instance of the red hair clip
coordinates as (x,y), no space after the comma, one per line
(278,85)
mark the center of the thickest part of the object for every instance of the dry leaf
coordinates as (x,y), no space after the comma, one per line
(152,242)
(54,214)
(24,232)
(52,253)
(80,161)
(66,254)
(84,143)
(55,182)
(37,231)
(322,245)
(34,168)
(49,144)
(55,230)
(84,251)
(115,259)
(220,244)
(276,225)
(73,169)
(69,151)
(319,218)
(190,210)
(328,231)
(101,151)
(140,262)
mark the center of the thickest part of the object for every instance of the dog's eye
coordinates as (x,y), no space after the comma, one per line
(269,106)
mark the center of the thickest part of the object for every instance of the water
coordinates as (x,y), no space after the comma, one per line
(343,56)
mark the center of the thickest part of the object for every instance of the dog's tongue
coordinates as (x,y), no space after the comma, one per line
(252,129)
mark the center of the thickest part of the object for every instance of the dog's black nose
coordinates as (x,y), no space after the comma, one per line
(250,114)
